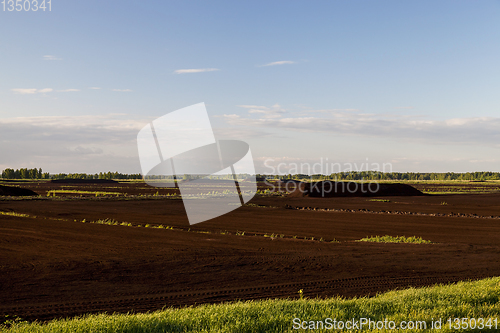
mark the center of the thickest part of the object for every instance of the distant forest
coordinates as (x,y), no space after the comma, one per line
(25,173)
(374,175)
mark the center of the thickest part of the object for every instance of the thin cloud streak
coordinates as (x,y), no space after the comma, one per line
(68,90)
(104,123)
(31,91)
(195,70)
(51,57)
(274,111)
(277,63)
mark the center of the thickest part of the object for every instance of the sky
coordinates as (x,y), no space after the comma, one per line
(412,86)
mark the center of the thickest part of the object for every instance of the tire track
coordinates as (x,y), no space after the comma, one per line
(395,212)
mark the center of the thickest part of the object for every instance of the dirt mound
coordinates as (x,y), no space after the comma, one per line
(83,181)
(15,191)
(286,181)
(329,189)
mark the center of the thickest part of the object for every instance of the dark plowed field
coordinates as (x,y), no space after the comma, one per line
(53,265)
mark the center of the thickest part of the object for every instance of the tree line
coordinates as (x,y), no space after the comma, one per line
(375,175)
(25,173)
(100,175)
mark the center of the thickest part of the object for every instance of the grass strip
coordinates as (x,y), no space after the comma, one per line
(478,300)
(96,193)
(397,239)
(16,214)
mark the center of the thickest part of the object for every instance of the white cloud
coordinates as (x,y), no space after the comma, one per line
(195,70)
(122,90)
(24,91)
(46,90)
(88,150)
(30,91)
(238,133)
(274,111)
(111,122)
(276,63)
(68,90)
(334,110)
(253,107)
(72,143)
(464,131)
(51,57)
(97,143)
(94,88)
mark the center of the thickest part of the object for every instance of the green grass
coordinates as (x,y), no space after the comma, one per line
(96,193)
(458,191)
(397,239)
(479,299)
(273,236)
(16,214)
(109,222)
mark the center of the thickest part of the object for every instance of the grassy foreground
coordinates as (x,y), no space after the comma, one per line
(479,299)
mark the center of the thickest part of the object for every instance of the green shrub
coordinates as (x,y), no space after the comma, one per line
(397,239)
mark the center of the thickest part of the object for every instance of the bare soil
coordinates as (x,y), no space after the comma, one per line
(15,191)
(53,265)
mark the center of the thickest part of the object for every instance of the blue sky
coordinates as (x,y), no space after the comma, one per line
(410,83)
